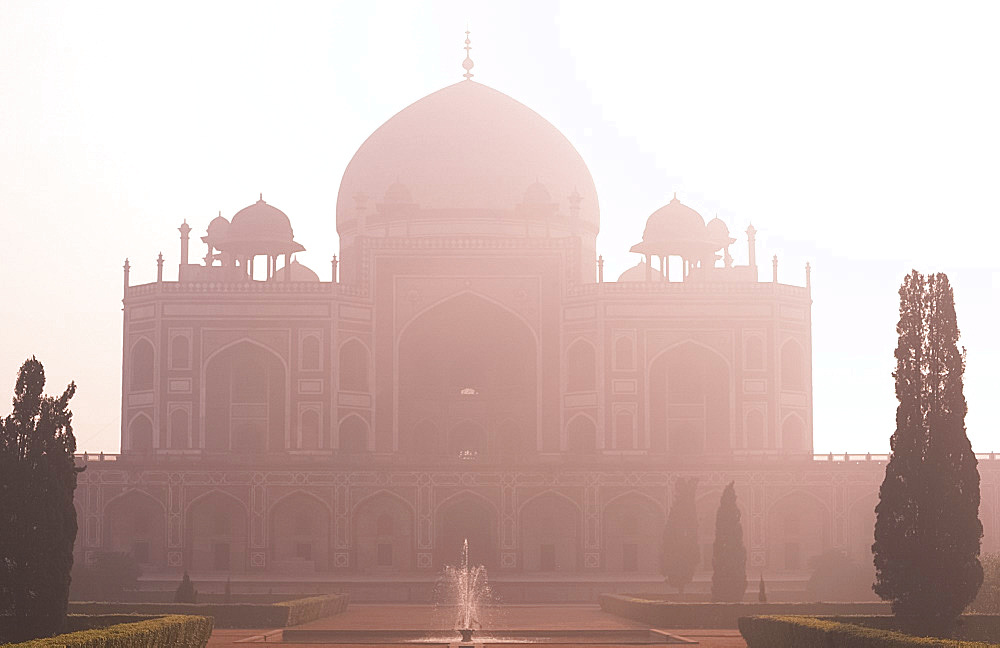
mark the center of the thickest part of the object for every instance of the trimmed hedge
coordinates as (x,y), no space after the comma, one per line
(804,632)
(232,615)
(162,632)
(665,614)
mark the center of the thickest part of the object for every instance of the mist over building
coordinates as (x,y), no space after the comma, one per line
(467,372)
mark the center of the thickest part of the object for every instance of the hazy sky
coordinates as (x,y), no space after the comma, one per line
(862,137)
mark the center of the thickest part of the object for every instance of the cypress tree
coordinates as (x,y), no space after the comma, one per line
(927,528)
(679,554)
(729,556)
(37,519)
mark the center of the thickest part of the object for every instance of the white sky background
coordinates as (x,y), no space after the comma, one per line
(861,137)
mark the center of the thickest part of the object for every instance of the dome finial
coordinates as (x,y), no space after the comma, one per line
(467,63)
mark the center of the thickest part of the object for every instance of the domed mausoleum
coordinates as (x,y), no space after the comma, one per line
(462,369)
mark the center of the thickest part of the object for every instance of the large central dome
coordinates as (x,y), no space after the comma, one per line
(468,153)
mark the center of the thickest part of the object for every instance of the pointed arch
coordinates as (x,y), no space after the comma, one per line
(245,398)
(312,359)
(793,434)
(798,528)
(217,532)
(141,365)
(353,434)
(383,533)
(355,359)
(135,522)
(180,352)
(581,434)
(300,533)
(551,526)
(309,429)
(466,515)
(690,393)
(581,366)
(140,434)
(754,426)
(632,524)
(466,357)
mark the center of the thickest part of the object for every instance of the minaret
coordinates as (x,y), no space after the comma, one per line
(752,244)
(774,268)
(184,229)
(808,276)
(600,269)
(159,267)
(126,267)
(334,263)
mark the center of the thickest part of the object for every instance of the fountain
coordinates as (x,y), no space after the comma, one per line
(468,589)
(464,587)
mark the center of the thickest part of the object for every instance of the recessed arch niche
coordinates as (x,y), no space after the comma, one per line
(468,361)
(689,396)
(245,400)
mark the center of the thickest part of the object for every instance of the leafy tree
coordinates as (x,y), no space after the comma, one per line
(107,579)
(37,518)
(729,556)
(835,577)
(927,529)
(679,553)
(186,593)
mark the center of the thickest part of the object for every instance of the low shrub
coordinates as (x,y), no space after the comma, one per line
(232,615)
(666,614)
(315,607)
(798,631)
(161,632)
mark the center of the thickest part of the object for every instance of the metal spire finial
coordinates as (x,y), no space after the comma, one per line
(467,63)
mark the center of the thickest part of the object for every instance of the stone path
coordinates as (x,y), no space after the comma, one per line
(512,617)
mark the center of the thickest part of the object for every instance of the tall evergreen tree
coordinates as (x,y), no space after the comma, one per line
(729,555)
(37,519)
(679,553)
(927,528)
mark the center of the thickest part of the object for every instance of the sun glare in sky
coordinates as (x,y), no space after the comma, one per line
(861,138)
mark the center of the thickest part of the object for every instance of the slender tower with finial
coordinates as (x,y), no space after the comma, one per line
(467,63)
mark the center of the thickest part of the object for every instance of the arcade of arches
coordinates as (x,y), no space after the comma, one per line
(546,534)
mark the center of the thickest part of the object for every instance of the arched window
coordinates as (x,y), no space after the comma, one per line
(245,393)
(792,367)
(353,435)
(180,350)
(623,354)
(689,401)
(580,365)
(141,435)
(310,430)
(141,366)
(755,430)
(581,436)
(754,354)
(793,435)
(311,360)
(353,366)
(179,429)
(624,429)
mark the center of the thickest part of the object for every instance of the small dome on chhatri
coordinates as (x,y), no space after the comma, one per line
(674,221)
(638,273)
(298,272)
(718,232)
(260,229)
(398,193)
(537,194)
(217,231)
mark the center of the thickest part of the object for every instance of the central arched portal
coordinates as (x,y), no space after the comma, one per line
(467,381)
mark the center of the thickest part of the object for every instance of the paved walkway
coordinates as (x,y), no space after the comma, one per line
(511,617)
